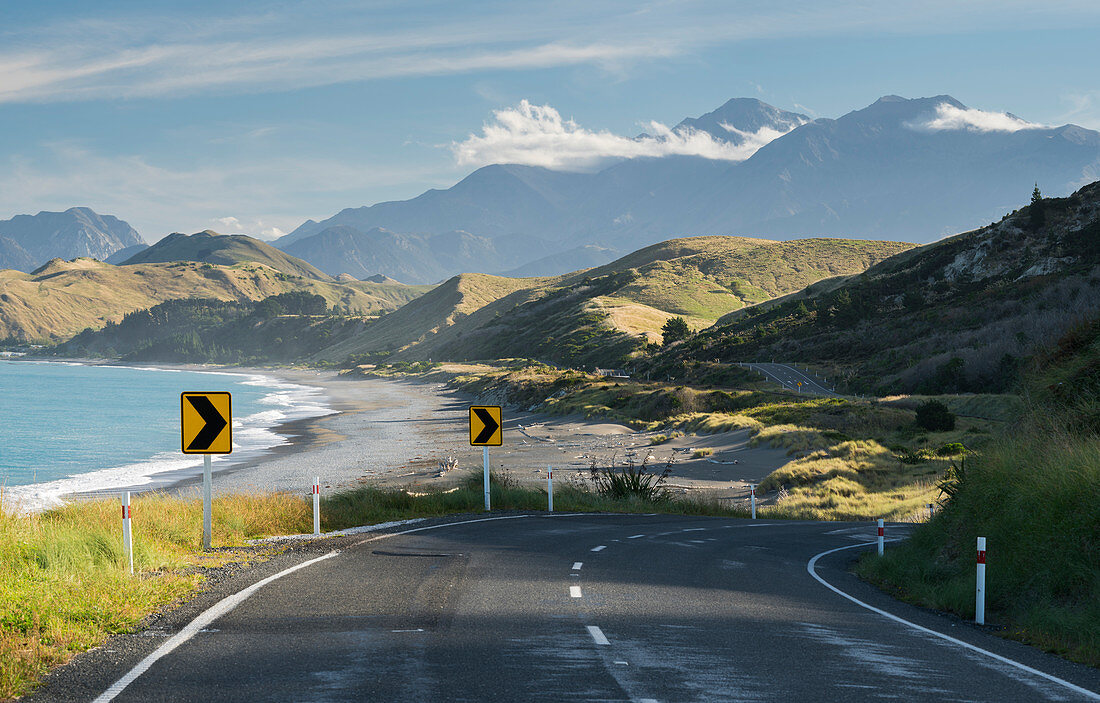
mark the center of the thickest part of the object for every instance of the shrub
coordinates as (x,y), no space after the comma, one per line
(934,416)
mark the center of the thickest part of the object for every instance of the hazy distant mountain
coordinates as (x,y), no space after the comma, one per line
(123,254)
(898,169)
(740,117)
(226,250)
(28,241)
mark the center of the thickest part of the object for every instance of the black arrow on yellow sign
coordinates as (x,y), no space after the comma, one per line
(205,420)
(215,423)
(485,426)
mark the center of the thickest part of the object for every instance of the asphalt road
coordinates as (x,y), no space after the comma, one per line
(583,608)
(789,377)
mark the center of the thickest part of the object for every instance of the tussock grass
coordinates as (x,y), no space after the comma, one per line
(1035,498)
(855,480)
(64,587)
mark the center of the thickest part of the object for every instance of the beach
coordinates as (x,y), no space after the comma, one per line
(395,433)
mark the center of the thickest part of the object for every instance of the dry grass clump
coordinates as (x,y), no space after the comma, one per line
(855,480)
(795,439)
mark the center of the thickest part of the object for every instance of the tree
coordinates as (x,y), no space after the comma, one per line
(1037,209)
(674,329)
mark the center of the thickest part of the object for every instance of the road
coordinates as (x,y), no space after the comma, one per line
(789,377)
(579,608)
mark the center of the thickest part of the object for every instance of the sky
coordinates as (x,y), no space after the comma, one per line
(251,117)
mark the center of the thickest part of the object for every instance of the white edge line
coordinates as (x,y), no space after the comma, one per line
(192,628)
(597,634)
(1005,660)
(575,591)
(230,602)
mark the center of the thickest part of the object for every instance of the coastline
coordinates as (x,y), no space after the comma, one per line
(395,432)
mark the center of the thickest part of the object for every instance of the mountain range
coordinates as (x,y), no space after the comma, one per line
(28,241)
(900,169)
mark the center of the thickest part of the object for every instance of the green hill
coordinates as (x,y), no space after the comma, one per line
(956,315)
(225,250)
(64,297)
(449,304)
(603,315)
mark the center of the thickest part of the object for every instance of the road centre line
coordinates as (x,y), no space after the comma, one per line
(577,565)
(599,548)
(635,536)
(1004,660)
(228,603)
(575,591)
(597,635)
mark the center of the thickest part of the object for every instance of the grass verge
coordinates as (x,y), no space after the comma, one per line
(1036,501)
(64,587)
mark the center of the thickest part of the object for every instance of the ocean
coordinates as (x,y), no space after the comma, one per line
(68,427)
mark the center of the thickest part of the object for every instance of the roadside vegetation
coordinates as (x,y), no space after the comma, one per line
(1035,495)
(850,459)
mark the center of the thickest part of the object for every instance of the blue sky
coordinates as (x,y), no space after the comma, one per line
(253,117)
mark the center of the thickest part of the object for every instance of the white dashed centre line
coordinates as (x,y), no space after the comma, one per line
(599,548)
(575,591)
(577,565)
(635,536)
(597,634)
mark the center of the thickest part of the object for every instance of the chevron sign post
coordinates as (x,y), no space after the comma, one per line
(486,430)
(206,427)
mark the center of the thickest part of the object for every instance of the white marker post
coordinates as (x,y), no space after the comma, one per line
(206,491)
(979,596)
(127,535)
(550,488)
(881,537)
(317,505)
(931,510)
(752,499)
(485,451)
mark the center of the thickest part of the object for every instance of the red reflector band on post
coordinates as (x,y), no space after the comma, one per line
(125,512)
(981,556)
(881,531)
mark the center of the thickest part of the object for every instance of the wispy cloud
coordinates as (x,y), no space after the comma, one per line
(950,118)
(537,135)
(137,55)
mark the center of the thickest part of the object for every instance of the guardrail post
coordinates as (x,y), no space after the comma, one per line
(881,536)
(127,535)
(317,505)
(979,595)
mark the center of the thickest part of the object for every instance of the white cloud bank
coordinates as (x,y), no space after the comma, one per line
(536,135)
(951,118)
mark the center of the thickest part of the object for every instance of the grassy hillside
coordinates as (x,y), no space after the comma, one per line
(603,315)
(430,315)
(957,315)
(63,298)
(280,328)
(1034,493)
(225,250)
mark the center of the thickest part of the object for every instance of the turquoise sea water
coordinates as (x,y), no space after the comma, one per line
(69,427)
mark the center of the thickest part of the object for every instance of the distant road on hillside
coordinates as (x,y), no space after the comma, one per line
(789,377)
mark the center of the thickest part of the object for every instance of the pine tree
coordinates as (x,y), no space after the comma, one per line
(1037,209)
